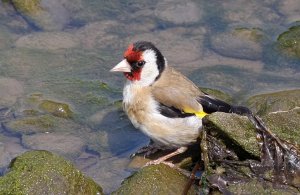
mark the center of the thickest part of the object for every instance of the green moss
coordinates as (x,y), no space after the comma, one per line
(236,132)
(155,179)
(41,172)
(253,34)
(279,101)
(258,187)
(30,112)
(27,6)
(57,109)
(285,125)
(289,41)
(44,123)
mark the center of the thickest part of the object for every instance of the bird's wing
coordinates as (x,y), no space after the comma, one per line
(180,97)
(177,96)
(211,104)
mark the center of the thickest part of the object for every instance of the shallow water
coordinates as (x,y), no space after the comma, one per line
(65,54)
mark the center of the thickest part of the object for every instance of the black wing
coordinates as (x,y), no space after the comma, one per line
(173,112)
(211,104)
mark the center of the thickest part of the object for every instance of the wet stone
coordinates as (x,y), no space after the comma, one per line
(10,90)
(263,104)
(61,143)
(98,34)
(259,187)
(57,109)
(47,41)
(9,148)
(285,124)
(289,42)
(290,9)
(240,43)
(42,124)
(158,179)
(181,12)
(44,14)
(249,13)
(234,131)
(41,172)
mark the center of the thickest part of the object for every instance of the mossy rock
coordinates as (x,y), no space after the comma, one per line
(239,134)
(56,108)
(41,172)
(33,124)
(257,187)
(253,34)
(289,42)
(42,124)
(285,124)
(272,102)
(156,179)
(27,6)
(235,131)
(217,94)
(42,14)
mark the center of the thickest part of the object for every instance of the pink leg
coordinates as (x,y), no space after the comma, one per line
(163,158)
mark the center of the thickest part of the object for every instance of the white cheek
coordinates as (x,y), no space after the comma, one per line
(150,70)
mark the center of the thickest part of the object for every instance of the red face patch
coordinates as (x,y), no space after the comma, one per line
(133,56)
(134,75)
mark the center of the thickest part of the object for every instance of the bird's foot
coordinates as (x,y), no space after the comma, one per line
(158,161)
(164,158)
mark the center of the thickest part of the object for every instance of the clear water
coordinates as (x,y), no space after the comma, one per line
(226,45)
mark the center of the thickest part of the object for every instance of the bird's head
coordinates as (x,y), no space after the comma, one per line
(143,63)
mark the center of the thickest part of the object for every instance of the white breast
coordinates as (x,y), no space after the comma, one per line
(174,132)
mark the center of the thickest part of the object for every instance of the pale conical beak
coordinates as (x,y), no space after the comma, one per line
(123,66)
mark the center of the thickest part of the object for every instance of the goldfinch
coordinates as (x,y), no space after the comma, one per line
(163,103)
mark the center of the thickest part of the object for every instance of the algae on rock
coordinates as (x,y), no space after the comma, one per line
(263,104)
(289,42)
(41,172)
(157,179)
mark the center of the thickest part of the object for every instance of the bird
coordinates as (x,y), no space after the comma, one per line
(162,102)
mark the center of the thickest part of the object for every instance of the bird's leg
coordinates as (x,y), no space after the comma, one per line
(163,158)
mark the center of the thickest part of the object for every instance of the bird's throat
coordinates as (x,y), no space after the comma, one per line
(134,75)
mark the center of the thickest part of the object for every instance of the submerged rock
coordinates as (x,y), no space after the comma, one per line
(240,43)
(35,124)
(10,90)
(41,124)
(181,12)
(289,42)
(157,179)
(41,172)
(48,41)
(263,104)
(60,143)
(43,14)
(57,109)
(290,9)
(9,148)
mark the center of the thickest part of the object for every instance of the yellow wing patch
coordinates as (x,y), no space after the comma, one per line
(200,114)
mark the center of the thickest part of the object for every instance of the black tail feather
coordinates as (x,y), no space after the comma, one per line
(211,104)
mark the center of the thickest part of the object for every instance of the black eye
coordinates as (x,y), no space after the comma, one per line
(140,63)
